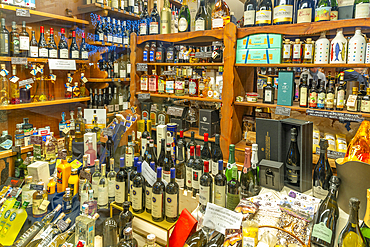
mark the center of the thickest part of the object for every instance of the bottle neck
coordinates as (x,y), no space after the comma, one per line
(231,157)
(353,215)
(323,153)
(247,160)
(367,213)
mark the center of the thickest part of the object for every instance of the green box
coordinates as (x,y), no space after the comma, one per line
(285,88)
(260,41)
(253,56)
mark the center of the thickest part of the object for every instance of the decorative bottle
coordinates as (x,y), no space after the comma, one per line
(338,51)
(356,48)
(322,47)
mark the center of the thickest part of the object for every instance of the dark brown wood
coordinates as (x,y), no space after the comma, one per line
(95,7)
(99,43)
(182,97)
(303,65)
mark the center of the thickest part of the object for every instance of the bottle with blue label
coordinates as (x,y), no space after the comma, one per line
(146,53)
(6,141)
(152,52)
(62,125)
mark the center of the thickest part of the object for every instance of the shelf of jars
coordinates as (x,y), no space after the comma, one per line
(296,107)
(38,60)
(191,37)
(99,43)
(33,16)
(304,65)
(10,153)
(173,96)
(113,12)
(196,135)
(304,28)
(104,80)
(44,103)
(187,64)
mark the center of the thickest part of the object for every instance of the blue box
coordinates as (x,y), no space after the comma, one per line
(260,41)
(285,88)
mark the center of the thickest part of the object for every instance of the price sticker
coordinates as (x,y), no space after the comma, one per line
(44,205)
(85,175)
(53,77)
(62,225)
(4,72)
(14,79)
(84,79)
(26,82)
(22,12)
(66,130)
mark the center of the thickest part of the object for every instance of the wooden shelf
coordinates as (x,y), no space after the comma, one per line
(304,28)
(37,60)
(112,12)
(182,97)
(196,136)
(240,146)
(295,107)
(104,80)
(37,16)
(186,37)
(99,43)
(6,154)
(44,103)
(186,64)
(304,65)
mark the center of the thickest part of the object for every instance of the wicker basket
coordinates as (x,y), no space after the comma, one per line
(291,234)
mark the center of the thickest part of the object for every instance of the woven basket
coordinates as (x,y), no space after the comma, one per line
(291,234)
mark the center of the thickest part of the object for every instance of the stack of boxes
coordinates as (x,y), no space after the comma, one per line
(259,49)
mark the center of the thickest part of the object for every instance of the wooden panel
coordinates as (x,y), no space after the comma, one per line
(182,97)
(99,43)
(186,64)
(108,79)
(304,65)
(45,103)
(94,7)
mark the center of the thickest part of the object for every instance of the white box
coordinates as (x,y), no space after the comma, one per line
(39,170)
(161,134)
(90,151)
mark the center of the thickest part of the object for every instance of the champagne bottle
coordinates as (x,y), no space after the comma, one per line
(233,190)
(201,17)
(351,235)
(198,238)
(292,162)
(184,17)
(231,162)
(248,179)
(322,172)
(365,226)
(326,217)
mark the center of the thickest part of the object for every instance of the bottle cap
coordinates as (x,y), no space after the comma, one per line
(173,172)
(122,162)
(220,165)
(159,172)
(206,166)
(151,239)
(152,165)
(255,147)
(139,167)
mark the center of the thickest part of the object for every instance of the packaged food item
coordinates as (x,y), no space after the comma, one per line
(267,240)
(294,225)
(268,214)
(247,208)
(233,238)
(331,141)
(341,143)
(250,233)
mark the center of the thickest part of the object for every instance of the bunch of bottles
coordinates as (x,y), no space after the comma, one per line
(113,98)
(182,54)
(183,81)
(113,31)
(19,44)
(31,4)
(340,50)
(267,12)
(116,67)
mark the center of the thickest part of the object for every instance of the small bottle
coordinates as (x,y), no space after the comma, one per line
(330,96)
(353,100)
(365,102)
(144,83)
(297,51)
(321,95)
(341,93)
(287,51)
(313,96)
(153,82)
(38,197)
(303,92)
(293,160)
(67,201)
(128,239)
(308,51)
(152,51)
(269,92)
(322,172)
(150,241)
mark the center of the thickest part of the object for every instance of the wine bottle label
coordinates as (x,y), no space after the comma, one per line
(171,205)
(249,17)
(321,100)
(303,97)
(165,22)
(53,53)
(220,195)
(333,15)
(204,192)
(24,43)
(167,176)
(34,51)
(151,56)
(183,24)
(144,141)
(232,201)
(161,85)
(63,53)
(110,38)
(125,40)
(111,187)
(365,106)
(115,4)
(214,165)
(85,55)
(297,51)
(304,15)
(313,99)
(320,231)
(129,158)
(122,74)
(143,29)
(153,28)
(152,84)
(119,40)
(200,25)
(137,198)
(103,195)
(195,181)
(157,205)
(268,95)
(307,51)
(144,84)
(330,100)
(4,43)
(120,192)
(75,55)
(148,198)
(101,36)
(179,85)
(283,13)
(169,86)
(180,182)
(340,98)
(263,17)
(362,10)
(217,23)
(128,68)
(131,3)
(322,14)
(189,177)
(44,52)
(136,10)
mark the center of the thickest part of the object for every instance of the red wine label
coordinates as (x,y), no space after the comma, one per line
(304,15)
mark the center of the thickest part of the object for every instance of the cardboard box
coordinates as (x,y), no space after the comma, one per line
(260,41)
(161,134)
(268,139)
(209,122)
(272,174)
(286,88)
(259,56)
(39,170)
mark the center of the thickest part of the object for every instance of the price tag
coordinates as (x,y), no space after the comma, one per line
(4,72)
(53,77)
(14,79)
(219,218)
(216,43)
(62,64)
(284,111)
(22,12)
(36,187)
(62,225)
(19,60)
(141,67)
(143,96)
(85,175)
(26,82)
(84,79)
(44,205)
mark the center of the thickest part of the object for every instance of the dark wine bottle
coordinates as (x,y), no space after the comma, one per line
(121,194)
(192,140)
(63,46)
(172,198)
(43,46)
(159,195)
(34,47)
(205,187)
(233,197)
(197,171)
(143,30)
(73,50)
(292,162)
(14,41)
(144,137)
(189,170)
(132,175)
(168,163)
(53,49)
(322,172)
(303,92)
(326,217)
(220,186)
(250,7)
(180,166)
(138,195)
(216,155)
(4,39)
(162,153)
(155,20)
(84,53)
(206,151)
(151,156)
(24,41)
(99,33)
(183,147)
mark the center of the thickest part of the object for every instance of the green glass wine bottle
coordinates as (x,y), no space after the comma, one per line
(230,162)
(184,17)
(365,227)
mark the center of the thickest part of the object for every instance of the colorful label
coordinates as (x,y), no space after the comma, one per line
(321,100)
(362,10)
(263,17)
(307,51)
(322,14)
(297,51)
(153,28)
(200,25)
(313,99)
(144,84)
(170,86)
(330,100)
(196,177)
(217,23)
(333,15)
(304,15)
(283,13)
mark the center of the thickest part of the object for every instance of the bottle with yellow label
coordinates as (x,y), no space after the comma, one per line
(287,51)
(63,173)
(73,181)
(308,51)
(51,186)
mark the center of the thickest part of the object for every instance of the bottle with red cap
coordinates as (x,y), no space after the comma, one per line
(189,170)
(63,46)
(43,46)
(53,49)
(73,50)
(206,151)
(197,171)
(205,188)
(84,54)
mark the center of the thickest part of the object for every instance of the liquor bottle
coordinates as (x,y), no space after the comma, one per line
(197,171)
(233,196)
(121,184)
(38,197)
(138,197)
(269,92)
(322,11)
(247,177)
(63,237)
(264,13)
(24,41)
(73,181)
(109,232)
(199,238)
(85,228)
(168,163)
(313,95)
(108,30)
(231,162)
(292,161)
(99,33)
(297,51)
(356,52)
(4,39)
(220,15)
(74,51)
(111,182)
(322,172)
(14,41)
(63,46)
(144,20)
(362,9)
(220,182)
(184,17)
(128,239)
(42,45)
(144,83)
(283,12)
(154,25)
(103,189)
(189,169)
(341,93)
(205,187)
(338,51)
(326,217)
(14,86)
(159,196)
(305,11)
(308,51)
(250,7)
(351,234)
(365,102)
(172,198)
(201,17)
(303,92)
(334,10)
(321,95)
(95,179)
(130,151)
(67,201)
(92,204)
(63,173)
(180,162)
(322,50)
(14,224)
(206,152)
(330,95)
(125,219)
(34,48)
(153,82)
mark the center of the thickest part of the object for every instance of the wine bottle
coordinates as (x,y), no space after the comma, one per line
(330,94)
(168,163)
(197,171)
(84,54)
(180,166)
(34,47)
(341,93)
(303,90)
(365,226)
(250,7)
(166,18)
(14,41)
(199,238)
(172,199)
(326,217)
(144,138)
(191,143)
(73,50)
(322,10)
(263,13)
(220,186)
(233,197)
(43,46)
(103,189)
(334,10)
(149,192)
(321,95)
(231,162)
(159,195)
(184,17)
(269,92)
(143,21)
(99,33)
(305,11)
(137,193)
(4,39)
(201,17)
(292,162)
(155,20)
(189,170)
(351,234)
(53,49)
(205,187)
(63,46)
(206,152)
(216,155)
(121,183)
(322,172)
(362,9)
(283,12)
(247,178)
